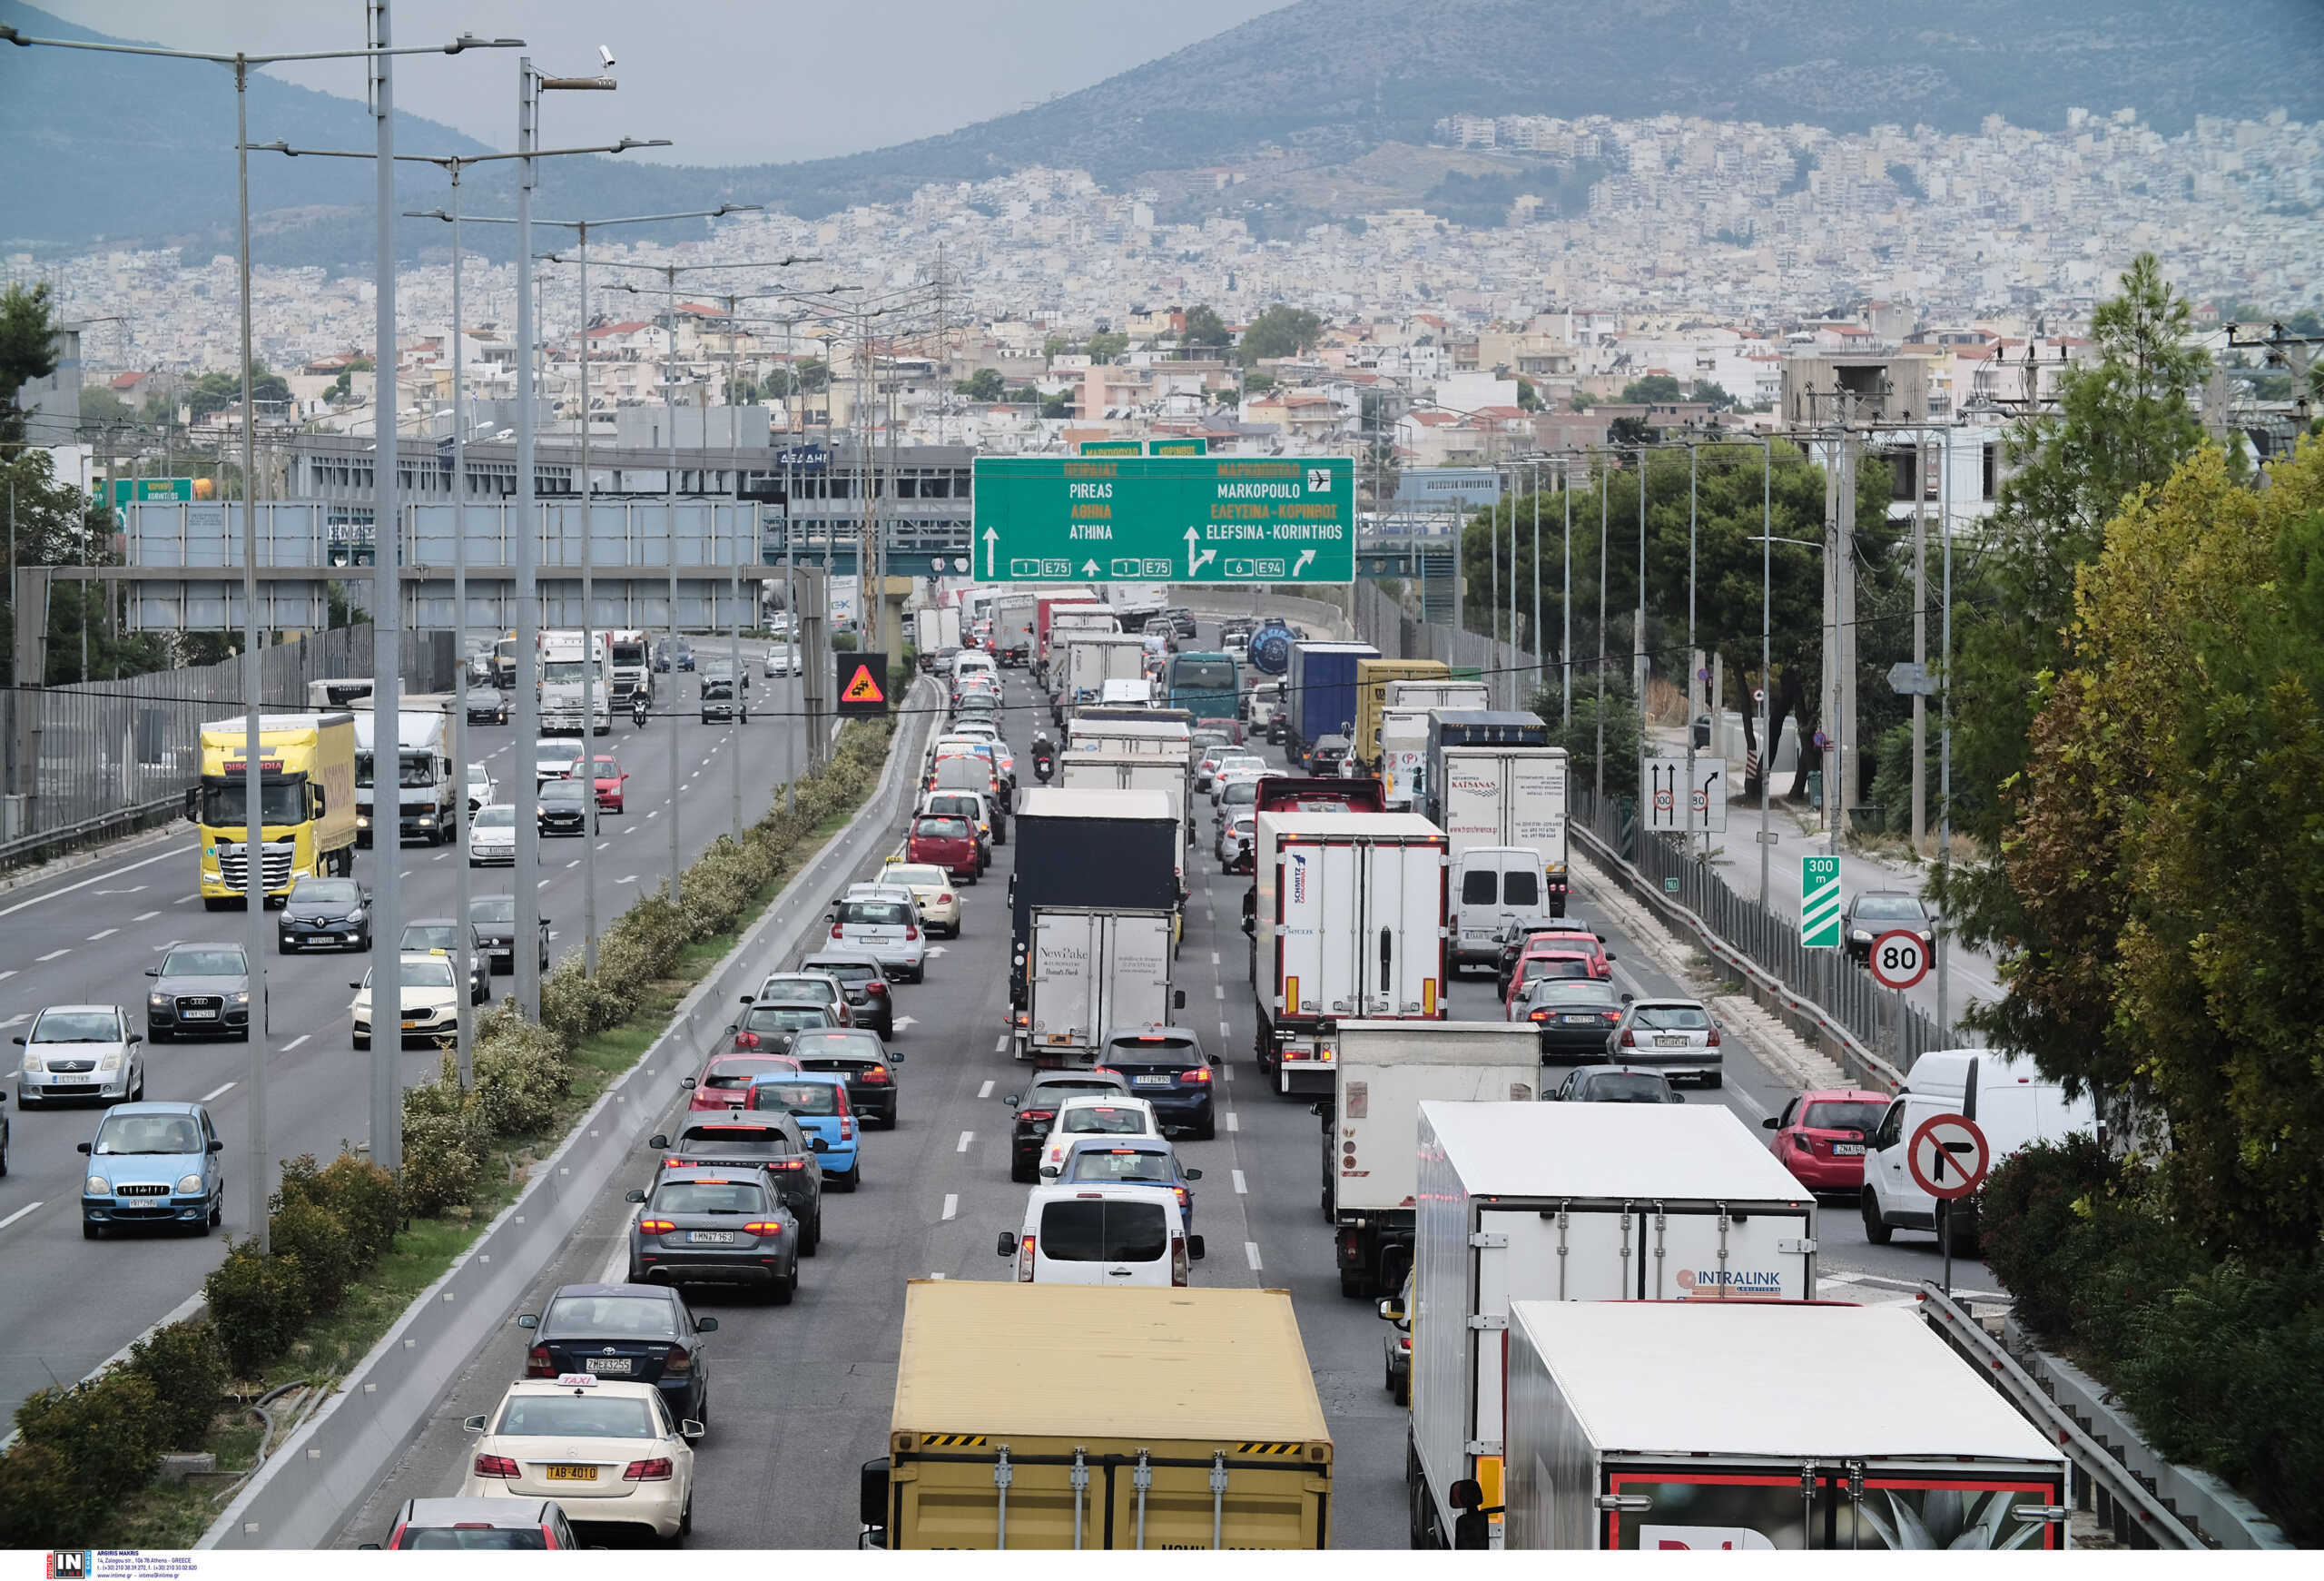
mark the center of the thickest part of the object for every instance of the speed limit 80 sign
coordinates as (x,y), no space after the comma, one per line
(1899,959)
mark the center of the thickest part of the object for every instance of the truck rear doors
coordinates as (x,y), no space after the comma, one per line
(1362,928)
(1093,971)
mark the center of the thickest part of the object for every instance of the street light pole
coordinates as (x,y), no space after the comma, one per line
(1565,598)
(463,925)
(1605,484)
(387,641)
(262,1168)
(525,945)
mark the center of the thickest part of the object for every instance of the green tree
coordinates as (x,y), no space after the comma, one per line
(27,352)
(1714,393)
(1207,332)
(1527,397)
(2122,423)
(1654,389)
(811,377)
(984,384)
(1257,381)
(101,409)
(215,392)
(1280,331)
(1059,405)
(1105,345)
(54,525)
(343,387)
(1024,395)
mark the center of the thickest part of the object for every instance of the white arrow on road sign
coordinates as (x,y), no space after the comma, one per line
(991,538)
(1307,558)
(1090,569)
(1948,1155)
(1195,562)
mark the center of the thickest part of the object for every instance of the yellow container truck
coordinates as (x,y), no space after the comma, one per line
(306,798)
(1372,678)
(1072,1417)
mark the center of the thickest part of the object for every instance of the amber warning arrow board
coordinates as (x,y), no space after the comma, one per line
(862,694)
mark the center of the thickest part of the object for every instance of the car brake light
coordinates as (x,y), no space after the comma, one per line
(679,1362)
(1804,1143)
(1025,1260)
(877,1076)
(846,1129)
(1195,1073)
(944,899)
(836,933)
(768,1228)
(1037,1114)
(1183,1200)
(746,1040)
(1714,1038)
(788,1166)
(495,1465)
(1180,1268)
(537,1364)
(654,1226)
(655,1470)
(1537,1015)
(1629,1040)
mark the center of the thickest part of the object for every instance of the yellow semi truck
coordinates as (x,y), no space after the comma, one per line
(1073,1416)
(1372,678)
(306,798)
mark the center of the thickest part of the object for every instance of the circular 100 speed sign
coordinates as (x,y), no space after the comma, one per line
(1899,959)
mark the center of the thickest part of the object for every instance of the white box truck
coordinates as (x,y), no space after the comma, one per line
(1678,1427)
(1091,972)
(421,778)
(1385,1071)
(935,629)
(1506,795)
(1573,1203)
(1157,738)
(1403,758)
(568,667)
(1012,629)
(1092,658)
(1348,924)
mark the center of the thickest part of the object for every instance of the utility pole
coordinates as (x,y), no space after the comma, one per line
(589,650)
(525,947)
(1920,453)
(387,651)
(463,929)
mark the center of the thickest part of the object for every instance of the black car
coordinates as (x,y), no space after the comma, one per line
(1874,911)
(715,1227)
(199,989)
(564,807)
(442,934)
(677,650)
(331,913)
(1167,1067)
(1573,1015)
(1182,620)
(764,1140)
(1036,1109)
(1615,1084)
(638,1333)
(871,1003)
(1325,756)
(856,1055)
(485,705)
(768,1026)
(495,916)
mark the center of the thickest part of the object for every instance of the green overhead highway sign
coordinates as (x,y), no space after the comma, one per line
(1113,448)
(1193,445)
(1164,519)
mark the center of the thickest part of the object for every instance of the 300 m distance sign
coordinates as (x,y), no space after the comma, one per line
(1899,959)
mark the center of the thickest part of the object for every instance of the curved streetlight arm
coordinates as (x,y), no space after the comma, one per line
(452,161)
(718,212)
(466,40)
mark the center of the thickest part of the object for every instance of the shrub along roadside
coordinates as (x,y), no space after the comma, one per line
(2220,1360)
(82,1452)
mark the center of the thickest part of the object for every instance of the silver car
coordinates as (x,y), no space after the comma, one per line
(80,1051)
(887,930)
(1677,1037)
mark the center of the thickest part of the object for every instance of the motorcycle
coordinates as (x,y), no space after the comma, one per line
(637,709)
(1044,759)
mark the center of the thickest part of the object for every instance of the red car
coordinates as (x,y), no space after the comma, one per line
(1820,1137)
(1552,958)
(610,779)
(947,842)
(725,1082)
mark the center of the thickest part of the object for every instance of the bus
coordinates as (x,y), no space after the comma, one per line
(1203,684)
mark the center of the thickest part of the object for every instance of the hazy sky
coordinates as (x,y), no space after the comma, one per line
(731,81)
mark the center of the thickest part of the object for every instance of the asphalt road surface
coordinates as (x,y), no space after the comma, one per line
(88,935)
(801,1395)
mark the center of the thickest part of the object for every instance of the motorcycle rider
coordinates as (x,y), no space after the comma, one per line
(1044,755)
(637,708)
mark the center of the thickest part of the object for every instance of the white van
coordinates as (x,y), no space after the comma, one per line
(2008,1098)
(1494,888)
(1091,1233)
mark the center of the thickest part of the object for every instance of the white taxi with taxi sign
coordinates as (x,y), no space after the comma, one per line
(607,1450)
(431,1000)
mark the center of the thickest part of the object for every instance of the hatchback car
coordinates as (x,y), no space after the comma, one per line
(858,1057)
(1095,1114)
(610,780)
(1820,1137)
(1572,1015)
(1874,911)
(724,1084)
(818,1100)
(482,792)
(1558,936)
(442,935)
(864,981)
(640,1333)
(1236,841)
(1325,756)
(1676,1036)
(950,843)
(492,837)
(199,990)
(1036,1111)
(1165,1067)
(1615,1084)
(320,912)
(80,1051)
(431,1001)
(932,890)
(769,1025)
(479,1525)
(771,1143)
(975,807)
(495,916)
(153,1163)
(1130,1160)
(608,1451)
(564,809)
(485,705)
(808,985)
(888,929)
(715,1227)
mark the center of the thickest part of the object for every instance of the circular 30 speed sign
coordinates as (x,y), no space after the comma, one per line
(1899,959)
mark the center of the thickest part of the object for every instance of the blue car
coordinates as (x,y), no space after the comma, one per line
(818,1100)
(153,1163)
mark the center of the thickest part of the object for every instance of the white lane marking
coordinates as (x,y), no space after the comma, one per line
(966,1138)
(52,955)
(1222,1030)
(1251,1254)
(617,1269)
(103,934)
(19,1213)
(1738,1096)
(1241,1188)
(627,878)
(951,1204)
(15,1019)
(294,1043)
(542,885)
(1000,1045)
(145,917)
(1232,1124)
(654,813)
(575,862)
(937,1275)
(605,845)
(12,971)
(179,901)
(1219,989)
(439,857)
(215,1093)
(168,855)
(985,1091)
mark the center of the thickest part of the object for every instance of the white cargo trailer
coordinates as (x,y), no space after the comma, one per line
(1348,924)
(1385,1070)
(1679,1427)
(1507,795)
(1092,971)
(1573,1203)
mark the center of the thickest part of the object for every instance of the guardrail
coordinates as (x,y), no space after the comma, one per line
(330,1465)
